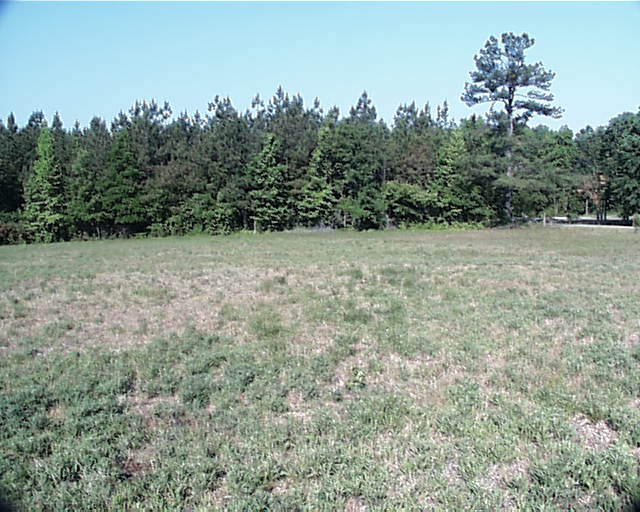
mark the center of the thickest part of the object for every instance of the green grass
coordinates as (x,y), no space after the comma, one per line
(404,370)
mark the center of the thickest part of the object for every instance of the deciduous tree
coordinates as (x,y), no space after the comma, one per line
(44,201)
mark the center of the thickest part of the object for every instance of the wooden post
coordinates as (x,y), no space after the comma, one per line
(544,218)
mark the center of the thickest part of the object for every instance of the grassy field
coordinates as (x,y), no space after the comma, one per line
(475,370)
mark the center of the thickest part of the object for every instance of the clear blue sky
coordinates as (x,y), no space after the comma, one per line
(86,59)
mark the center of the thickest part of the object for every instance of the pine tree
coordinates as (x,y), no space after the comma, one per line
(502,76)
(82,196)
(122,188)
(44,201)
(10,185)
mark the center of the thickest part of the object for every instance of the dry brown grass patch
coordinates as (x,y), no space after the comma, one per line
(593,436)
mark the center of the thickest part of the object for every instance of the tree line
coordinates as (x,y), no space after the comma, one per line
(282,164)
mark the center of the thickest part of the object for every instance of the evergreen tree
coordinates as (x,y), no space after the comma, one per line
(414,145)
(27,143)
(86,176)
(502,76)
(179,178)
(44,201)
(83,206)
(62,143)
(482,168)
(10,184)
(297,129)
(269,194)
(122,188)
(231,143)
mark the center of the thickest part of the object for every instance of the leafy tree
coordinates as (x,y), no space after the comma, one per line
(447,187)
(367,208)
(591,167)
(502,76)
(360,151)
(406,203)
(44,201)
(318,201)
(145,124)
(545,177)
(363,111)
(349,162)
(482,168)
(269,194)
(622,151)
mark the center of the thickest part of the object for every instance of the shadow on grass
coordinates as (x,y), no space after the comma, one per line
(634,503)
(5,506)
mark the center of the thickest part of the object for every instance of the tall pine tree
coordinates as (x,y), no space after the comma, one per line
(122,190)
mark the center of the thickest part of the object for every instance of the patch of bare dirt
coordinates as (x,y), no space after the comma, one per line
(593,436)
(501,475)
(355,505)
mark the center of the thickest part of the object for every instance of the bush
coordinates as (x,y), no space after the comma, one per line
(12,230)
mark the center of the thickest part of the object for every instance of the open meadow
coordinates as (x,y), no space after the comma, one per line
(398,370)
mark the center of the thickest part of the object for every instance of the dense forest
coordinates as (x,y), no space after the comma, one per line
(283,164)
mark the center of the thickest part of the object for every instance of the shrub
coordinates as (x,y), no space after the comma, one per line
(12,230)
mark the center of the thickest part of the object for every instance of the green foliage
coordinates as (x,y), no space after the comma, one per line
(83,207)
(406,204)
(317,203)
(367,209)
(201,213)
(447,186)
(44,201)
(281,164)
(269,202)
(545,177)
(318,200)
(122,189)
(502,76)
(622,152)
(12,229)
(10,157)
(501,73)
(413,145)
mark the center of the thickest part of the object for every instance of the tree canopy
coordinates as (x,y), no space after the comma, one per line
(283,163)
